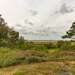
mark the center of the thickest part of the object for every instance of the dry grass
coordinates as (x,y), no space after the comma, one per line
(44,68)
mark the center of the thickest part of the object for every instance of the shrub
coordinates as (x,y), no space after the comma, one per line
(67,45)
(60,43)
(36,59)
(51,45)
(5,62)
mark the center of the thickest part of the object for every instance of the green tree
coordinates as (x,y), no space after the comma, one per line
(7,35)
(71,32)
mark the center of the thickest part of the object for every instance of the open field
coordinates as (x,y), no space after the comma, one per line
(35,62)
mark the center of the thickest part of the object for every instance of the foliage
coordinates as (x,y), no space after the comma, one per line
(66,45)
(71,32)
(8,36)
(38,46)
(36,59)
(9,57)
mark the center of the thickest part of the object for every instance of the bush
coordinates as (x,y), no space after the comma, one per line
(51,45)
(36,59)
(67,45)
(60,43)
(5,62)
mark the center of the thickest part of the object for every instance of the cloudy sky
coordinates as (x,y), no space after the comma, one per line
(41,19)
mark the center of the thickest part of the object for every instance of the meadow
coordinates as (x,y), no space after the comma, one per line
(52,58)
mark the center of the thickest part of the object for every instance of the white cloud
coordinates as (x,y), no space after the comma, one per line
(38,15)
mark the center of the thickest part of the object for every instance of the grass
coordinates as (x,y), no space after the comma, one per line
(10,57)
(36,62)
(44,68)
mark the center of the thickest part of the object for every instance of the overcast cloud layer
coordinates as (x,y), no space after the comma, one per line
(46,18)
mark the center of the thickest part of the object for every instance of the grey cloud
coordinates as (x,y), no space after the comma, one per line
(64,9)
(33,12)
